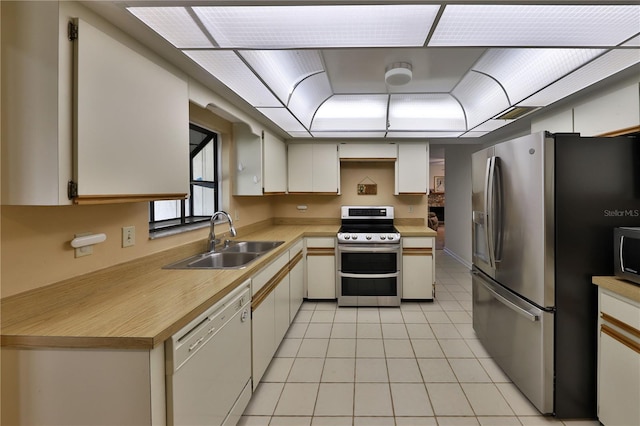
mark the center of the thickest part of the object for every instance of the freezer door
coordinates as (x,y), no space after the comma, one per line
(524,217)
(518,336)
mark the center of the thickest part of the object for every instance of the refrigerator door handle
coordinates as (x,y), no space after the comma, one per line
(497,226)
(509,304)
(488,208)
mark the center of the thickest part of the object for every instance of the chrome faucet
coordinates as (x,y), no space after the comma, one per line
(212,235)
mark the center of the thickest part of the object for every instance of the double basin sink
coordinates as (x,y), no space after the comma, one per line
(234,255)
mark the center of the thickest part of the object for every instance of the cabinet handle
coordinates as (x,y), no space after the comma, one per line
(634,346)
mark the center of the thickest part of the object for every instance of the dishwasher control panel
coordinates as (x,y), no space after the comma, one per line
(184,344)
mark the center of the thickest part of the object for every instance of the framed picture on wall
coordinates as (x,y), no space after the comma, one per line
(438,184)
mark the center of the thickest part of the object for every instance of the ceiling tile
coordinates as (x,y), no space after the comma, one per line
(536,25)
(227,67)
(277,27)
(174,24)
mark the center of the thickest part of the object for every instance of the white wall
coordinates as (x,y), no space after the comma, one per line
(457,212)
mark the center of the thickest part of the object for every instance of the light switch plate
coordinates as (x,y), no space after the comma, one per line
(128,236)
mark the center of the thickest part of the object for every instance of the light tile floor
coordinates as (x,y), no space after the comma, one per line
(419,364)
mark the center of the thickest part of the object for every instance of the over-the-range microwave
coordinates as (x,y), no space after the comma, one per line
(627,253)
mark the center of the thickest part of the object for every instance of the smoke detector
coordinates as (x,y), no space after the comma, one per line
(398,74)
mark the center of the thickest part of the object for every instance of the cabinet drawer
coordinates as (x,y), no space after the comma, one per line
(417,242)
(321,242)
(261,278)
(622,310)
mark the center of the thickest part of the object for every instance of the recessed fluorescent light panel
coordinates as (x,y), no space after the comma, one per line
(425,111)
(536,25)
(286,27)
(308,96)
(283,118)
(481,97)
(525,71)
(605,66)
(350,135)
(423,135)
(352,112)
(175,24)
(227,67)
(282,70)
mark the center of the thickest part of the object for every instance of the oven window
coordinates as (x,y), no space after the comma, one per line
(369,263)
(369,286)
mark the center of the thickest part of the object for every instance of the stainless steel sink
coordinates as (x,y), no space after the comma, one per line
(236,255)
(251,246)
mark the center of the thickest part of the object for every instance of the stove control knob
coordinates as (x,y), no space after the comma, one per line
(354,237)
(384,237)
(368,237)
(347,236)
(390,237)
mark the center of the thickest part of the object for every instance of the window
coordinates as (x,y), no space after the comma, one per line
(168,217)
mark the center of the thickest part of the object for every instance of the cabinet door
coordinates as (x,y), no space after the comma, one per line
(274,165)
(412,168)
(296,283)
(300,164)
(124,116)
(263,337)
(418,274)
(325,168)
(619,391)
(248,166)
(282,322)
(321,276)
(37,96)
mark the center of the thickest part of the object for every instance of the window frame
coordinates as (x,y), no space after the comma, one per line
(187,220)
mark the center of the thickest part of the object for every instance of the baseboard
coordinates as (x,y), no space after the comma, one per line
(458,258)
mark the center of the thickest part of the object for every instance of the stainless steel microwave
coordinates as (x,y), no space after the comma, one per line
(627,253)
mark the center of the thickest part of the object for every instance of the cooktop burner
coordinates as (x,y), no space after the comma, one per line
(367,224)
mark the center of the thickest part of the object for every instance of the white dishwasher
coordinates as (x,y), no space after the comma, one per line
(209,364)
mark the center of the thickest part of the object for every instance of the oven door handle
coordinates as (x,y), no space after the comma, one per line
(363,249)
(391,275)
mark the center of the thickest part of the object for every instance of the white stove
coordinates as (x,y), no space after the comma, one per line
(367,225)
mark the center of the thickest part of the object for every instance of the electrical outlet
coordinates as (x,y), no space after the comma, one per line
(237,216)
(410,209)
(128,236)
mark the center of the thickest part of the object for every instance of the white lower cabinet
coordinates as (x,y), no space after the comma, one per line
(263,336)
(296,279)
(60,386)
(618,360)
(418,268)
(277,296)
(321,268)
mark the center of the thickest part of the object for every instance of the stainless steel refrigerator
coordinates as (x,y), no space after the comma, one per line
(544,209)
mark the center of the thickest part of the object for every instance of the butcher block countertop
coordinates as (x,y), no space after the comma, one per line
(619,286)
(139,305)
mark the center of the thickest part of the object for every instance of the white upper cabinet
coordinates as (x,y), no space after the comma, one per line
(313,168)
(275,165)
(132,122)
(368,152)
(261,162)
(92,111)
(412,168)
